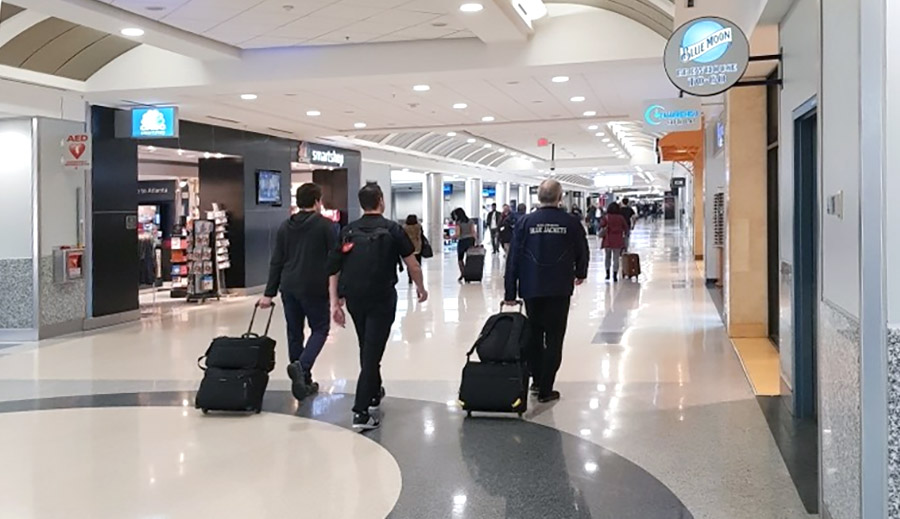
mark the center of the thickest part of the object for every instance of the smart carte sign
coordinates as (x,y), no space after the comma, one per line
(706,56)
(155,122)
(672,115)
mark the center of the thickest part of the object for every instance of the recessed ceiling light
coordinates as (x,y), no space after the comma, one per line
(471,7)
(313,113)
(488,145)
(421,88)
(560,79)
(248,97)
(589,113)
(181,152)
(470,141)
(359,125)
(593,127)
(595,169)
(577,99)
(132,32)
(451,134)
(611,145)
(487,119)
(460,106)
(604,140)
(219,155)
(502,150)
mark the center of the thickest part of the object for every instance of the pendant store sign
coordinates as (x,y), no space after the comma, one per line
(706,56)
(672,115)
(76,151)
(154,122)
(314,154)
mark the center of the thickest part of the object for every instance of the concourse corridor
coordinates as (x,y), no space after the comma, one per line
(657,419)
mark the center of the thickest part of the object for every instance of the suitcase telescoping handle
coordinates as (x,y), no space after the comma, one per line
(253,318)
(519,304)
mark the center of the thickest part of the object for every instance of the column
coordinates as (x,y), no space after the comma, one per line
(474,187)
(433,198)
(502,194)
(523,195)
(699,208)
(746,179)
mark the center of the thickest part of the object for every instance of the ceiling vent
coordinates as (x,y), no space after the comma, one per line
(223,119)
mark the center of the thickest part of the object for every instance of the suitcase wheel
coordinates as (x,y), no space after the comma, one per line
(521,414)
(258,410)
(205,411)
(469,414)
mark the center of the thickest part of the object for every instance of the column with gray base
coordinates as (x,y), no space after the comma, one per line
(433,195)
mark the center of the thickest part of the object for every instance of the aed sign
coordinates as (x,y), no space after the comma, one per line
(156,122)
(76,151)
(672,115)
(706,56)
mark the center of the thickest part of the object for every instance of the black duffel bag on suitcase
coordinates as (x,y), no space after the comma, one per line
(498,382)
(237,370)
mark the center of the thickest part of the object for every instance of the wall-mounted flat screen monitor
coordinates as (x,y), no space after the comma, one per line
(448,189)
(268,187)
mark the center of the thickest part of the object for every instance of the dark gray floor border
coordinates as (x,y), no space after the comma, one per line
(504,467)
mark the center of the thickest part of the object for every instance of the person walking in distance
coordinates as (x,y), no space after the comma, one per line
(493,223)
(629,215)
(613,232)
(467,236)
(549,256)
(416,235)
(298,268)
(363,271)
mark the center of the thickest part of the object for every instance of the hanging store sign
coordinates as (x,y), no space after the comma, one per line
(706,56)
(76,151)
(156,122)
(672,115)
(317,154)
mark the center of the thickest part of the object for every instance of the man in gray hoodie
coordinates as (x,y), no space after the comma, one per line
(299,269)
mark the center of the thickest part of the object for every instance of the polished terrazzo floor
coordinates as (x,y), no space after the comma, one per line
(657,418)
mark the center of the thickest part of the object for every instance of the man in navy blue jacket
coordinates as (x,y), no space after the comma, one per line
(548,258)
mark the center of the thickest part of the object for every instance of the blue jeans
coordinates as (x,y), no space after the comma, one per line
(298,310)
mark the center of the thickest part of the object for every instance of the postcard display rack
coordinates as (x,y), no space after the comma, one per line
(179,246)
(208,255)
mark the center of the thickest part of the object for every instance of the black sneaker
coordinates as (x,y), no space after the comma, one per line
(312,387)
(376,401)
(550,397)
(365,422)
(298,381)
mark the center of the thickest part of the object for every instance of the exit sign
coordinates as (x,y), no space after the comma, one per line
(542,142)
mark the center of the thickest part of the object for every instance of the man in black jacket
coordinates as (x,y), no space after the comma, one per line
(548,258)
(299,268)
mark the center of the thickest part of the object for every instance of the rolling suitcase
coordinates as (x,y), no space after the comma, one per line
(236,370)
(498,381)
(631,265)
(473,268)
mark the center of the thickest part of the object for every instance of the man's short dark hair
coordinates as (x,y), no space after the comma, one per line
(494,206)
(522,208)
(626,201)
(370,196)
(308,194)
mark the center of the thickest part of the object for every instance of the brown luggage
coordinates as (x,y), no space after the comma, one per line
(631,265)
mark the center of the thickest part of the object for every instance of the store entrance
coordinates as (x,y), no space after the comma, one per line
(183,249)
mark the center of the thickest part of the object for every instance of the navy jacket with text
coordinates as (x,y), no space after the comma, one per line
(548,252)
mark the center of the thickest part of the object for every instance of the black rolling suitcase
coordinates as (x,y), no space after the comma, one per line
(473,267)
(498,381)
(236,371)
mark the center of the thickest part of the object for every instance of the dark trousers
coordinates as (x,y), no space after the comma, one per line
(495,239)
(298,310)
(548,317)
(373,318)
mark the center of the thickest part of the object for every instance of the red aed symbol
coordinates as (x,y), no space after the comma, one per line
(347,247)
(77,150)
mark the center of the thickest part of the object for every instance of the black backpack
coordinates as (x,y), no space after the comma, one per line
(503,338)
(368,266)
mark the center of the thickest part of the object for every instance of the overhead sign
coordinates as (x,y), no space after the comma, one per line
(76,151)
(672,115)
(324,155)
(679,182)
(706,56)
(156,122)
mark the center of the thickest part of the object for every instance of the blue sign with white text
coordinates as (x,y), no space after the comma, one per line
(154,122)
